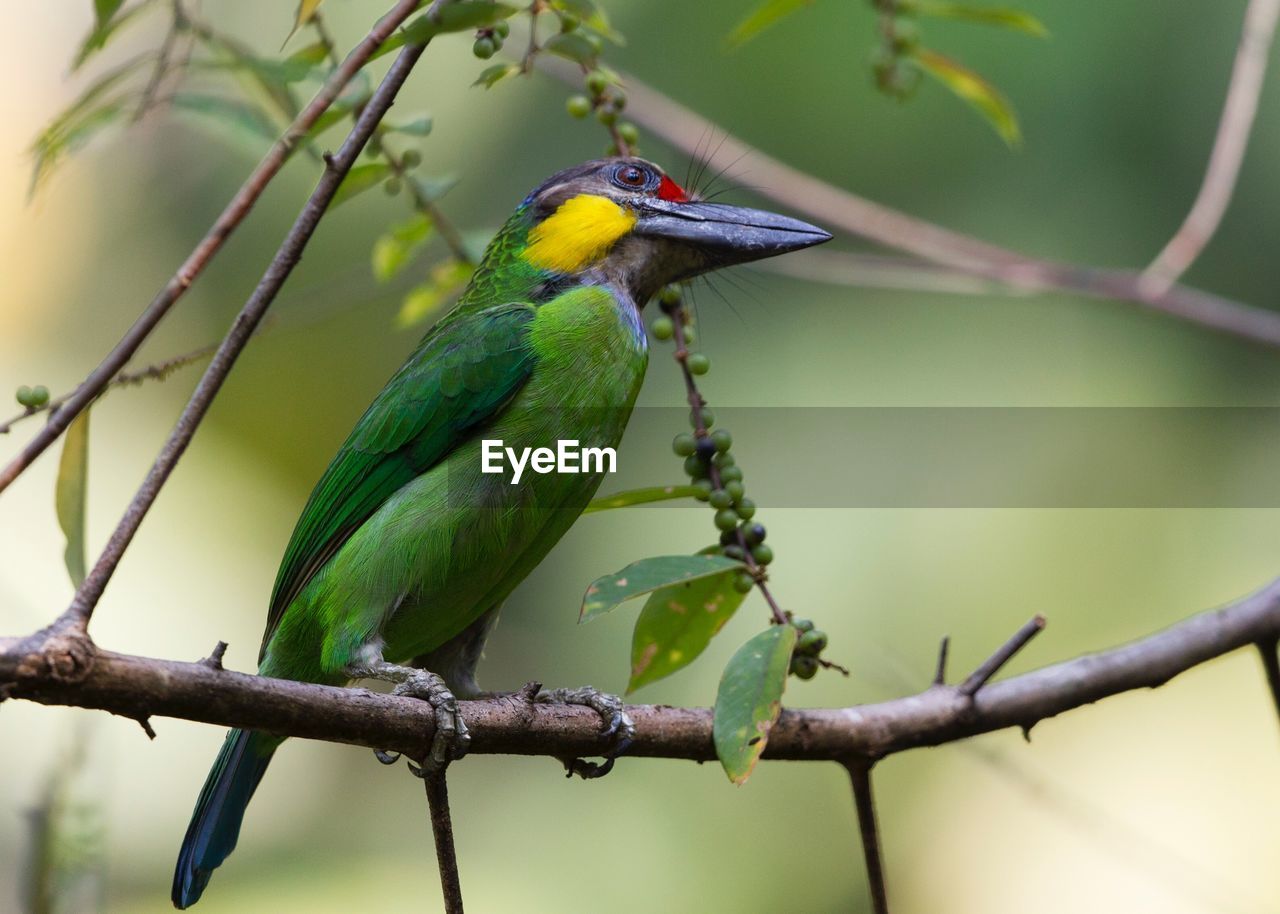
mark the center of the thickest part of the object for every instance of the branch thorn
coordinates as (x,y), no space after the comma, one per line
(992,665)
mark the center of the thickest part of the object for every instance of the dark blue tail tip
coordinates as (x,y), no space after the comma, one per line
(188,886)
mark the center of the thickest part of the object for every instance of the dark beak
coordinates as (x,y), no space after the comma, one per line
(728,234)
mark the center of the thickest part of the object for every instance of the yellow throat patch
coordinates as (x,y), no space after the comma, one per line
(577,234)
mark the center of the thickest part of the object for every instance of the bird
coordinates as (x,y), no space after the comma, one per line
(406,548)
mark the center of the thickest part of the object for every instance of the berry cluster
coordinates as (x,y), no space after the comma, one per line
(607,101)
(489,40)
(806,658)
(33,397)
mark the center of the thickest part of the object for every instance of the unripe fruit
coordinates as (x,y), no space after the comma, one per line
(695,467)
(607,117)
(689,335)
(578,106)
(723,439)
(596,82)
(727,519)
(743,583)
(735,489)
(392,186)
(804,625)
(731,474)
(484,48)
(629,132)
(669,297)
(724,460)
(698,363)
(803,667)
(812,643)
(501,28)
(721,499)
(411,158)
(664,328)
(746,508)
(763,554)
(708,418)
(754,534)
(25,396)
(39,395)
(704,489)
(683,444)
(733,552)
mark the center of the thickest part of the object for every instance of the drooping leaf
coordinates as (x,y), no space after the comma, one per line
(106,26)
(359,179)
(454,17)
(1001,17)
(985,98)
(750,698)
(446,281)
(495,74)
(677,623)
(69,496)
(646,576)
(640,497)
(762,17)
(306,10)
(418,126)
(393,250)
(572,46)
(245,117)
(432,189)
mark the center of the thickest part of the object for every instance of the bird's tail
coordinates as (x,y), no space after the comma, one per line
(215,823)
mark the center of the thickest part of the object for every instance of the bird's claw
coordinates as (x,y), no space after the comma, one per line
(450,740)
(618,728)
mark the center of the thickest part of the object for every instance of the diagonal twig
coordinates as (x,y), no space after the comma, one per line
(232,215)
(1234,127)
(992,665)
(242,328)
(869,830)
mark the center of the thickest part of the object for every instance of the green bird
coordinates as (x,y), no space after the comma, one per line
(407,548)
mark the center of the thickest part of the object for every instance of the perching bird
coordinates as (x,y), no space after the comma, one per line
(406,549)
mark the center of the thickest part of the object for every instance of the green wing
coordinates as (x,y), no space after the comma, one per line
(464,371)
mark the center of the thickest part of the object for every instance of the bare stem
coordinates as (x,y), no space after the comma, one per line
(231,217)
(286,258)
(442,831)
(992,665)
(869,830)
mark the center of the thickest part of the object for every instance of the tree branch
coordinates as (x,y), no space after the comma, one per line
(286,258)
(869,830)
(1220,176)
(138,687)
(835,207)
(209,245)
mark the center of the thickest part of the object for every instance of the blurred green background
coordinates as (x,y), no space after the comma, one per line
(1152,801)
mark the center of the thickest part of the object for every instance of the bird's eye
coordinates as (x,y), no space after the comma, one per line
(631,176)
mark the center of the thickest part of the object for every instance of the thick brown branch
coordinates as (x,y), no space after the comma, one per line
(835,207)
(209,245)
(286,258)
(138,687)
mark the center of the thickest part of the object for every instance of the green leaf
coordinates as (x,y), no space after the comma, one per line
(985,98)
(762,17)
(360,179)
(248,118)
(447,280)
(454,17)
(432,189)
(750,699)
(646,576)
(419,126)
(639,497)
(677,623)
(306,10)
(103,10)
(592,16)
(1013,19)
(69,495)
(571,46)
(495,74)
(105,27)
(393,250)
(302,63)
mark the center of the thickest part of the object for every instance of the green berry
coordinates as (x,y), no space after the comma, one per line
(704,489)
(735,489)
(683,444)
(753,533)
(803,667)
(695,467)
(501,28)
(664,328)
(484,48)
(804,625)
(723,439)
(731,474)
(763,553)
(629,132)
(26,396)
(597,82)
(727,519)
(619,100)
(743,583)
(708,418)
(698,363)
(578,106)
(746,507)
(689,335)
(812,643)
(392,186)
(720,498)
(411,158)
(669,298)
(733,552)
(607,116)
(724,460)
(39,395)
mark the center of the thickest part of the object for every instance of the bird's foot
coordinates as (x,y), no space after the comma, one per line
(618,728)
(451,739)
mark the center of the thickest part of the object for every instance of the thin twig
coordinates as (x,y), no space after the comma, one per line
(163,60)
(869,830)
(442,832)
(209,245)
(940,672)
(286,258)
(1268,648)
(835,207)
(1234,127)
(992,665)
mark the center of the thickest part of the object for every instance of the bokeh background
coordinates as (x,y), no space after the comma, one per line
(1163,801)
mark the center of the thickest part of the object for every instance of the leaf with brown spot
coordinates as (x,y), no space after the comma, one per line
(678,622)
(750,699)
(647,575)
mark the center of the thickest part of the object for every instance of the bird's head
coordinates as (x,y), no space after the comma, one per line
(622,220)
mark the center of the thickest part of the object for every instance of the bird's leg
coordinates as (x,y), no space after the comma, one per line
(451,739)
(618,728)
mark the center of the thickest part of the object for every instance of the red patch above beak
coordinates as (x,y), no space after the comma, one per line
(671,191)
